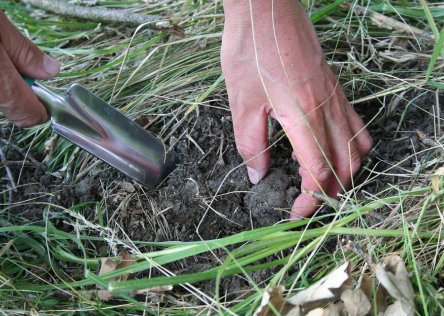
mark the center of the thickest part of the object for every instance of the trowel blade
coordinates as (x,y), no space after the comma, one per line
(89,122)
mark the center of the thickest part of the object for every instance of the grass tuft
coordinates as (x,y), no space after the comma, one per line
(51,264)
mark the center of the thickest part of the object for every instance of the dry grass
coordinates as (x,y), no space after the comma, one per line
(170,80)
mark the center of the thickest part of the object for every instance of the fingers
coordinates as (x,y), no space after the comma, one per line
(17,101)
(360,134)
(345,160)
(250,130)
(24,55)
(19,56)
(309,141)
(323,143)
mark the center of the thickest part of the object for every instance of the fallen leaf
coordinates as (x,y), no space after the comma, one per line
(435,179)
(272,297)
(104,295)
(107,265)
(381,300)
(128,187)
(399,56)
(156,289)
(295,311)
(356,302)
(336,309)
(325,289)
(126,260)
(318,312)
(393,275)
(399,309)
(367,286)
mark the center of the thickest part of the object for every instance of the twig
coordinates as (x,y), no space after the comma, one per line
(324,198)
(386,22)
(8,171)
(25,154)
(195,144)
(349,245)
(429,142)
(101,14)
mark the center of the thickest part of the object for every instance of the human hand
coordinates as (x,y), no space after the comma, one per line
(19,56)
(279,69)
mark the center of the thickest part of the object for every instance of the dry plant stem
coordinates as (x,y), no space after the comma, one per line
(8,171)
(429,142)
(349,245)
(100,14)
(20,151)
(324,198)
(389,23)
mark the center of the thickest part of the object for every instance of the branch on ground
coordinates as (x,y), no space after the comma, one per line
(101,14)
(388,23)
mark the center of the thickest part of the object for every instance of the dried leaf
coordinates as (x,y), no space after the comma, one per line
(435,179)
(107,265)
(367,286)
(104,295)
(356,302)
(318,312)
(126,260)
(156,289)
(381,299)
(399,56)
(271,297)
(399,309)
(337,309)
(324,289)
(394,277)
(128,187)
(295,311)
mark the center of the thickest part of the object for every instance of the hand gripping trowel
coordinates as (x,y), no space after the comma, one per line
(92,124)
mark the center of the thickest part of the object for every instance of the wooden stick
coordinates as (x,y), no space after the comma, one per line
(8,171)
(324,198)
(386,22)
(101,14)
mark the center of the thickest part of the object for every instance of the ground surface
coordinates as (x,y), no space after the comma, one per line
(209,195)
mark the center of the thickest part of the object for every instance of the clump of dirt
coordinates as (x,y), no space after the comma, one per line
(209,195)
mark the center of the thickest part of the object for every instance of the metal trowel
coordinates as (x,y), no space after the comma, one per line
(94,125)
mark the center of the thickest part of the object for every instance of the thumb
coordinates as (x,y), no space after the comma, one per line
(26,57)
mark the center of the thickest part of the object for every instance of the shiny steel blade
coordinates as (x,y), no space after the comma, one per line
(92,124)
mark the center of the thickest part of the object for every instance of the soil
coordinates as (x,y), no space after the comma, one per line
(208,195)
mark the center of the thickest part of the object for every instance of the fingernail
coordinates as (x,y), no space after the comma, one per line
(296,217)
(254,175)
(50,65)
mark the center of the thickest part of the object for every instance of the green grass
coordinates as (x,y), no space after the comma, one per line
(50,270)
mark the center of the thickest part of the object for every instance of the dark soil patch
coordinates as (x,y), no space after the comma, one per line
(209,196)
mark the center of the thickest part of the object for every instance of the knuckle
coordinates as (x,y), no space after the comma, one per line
(25,55)
(29,120)
(247,151)
(319,169)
